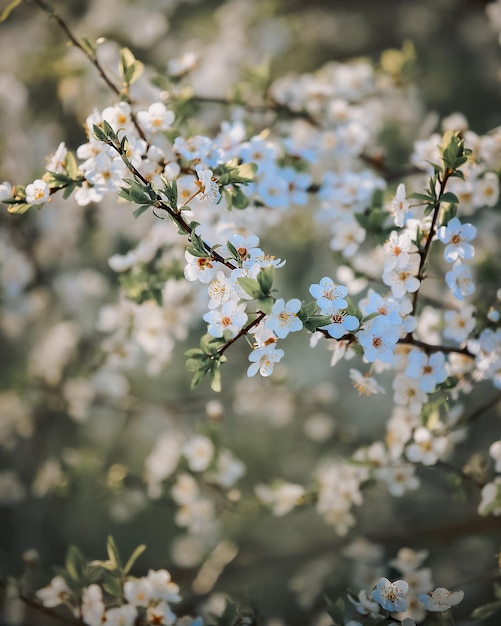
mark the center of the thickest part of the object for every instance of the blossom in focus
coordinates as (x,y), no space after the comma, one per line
(283,318)
(341,323)
(391,596)
(456,237)
(329,295)
(37,192)
(378,340)
(230,318)
(263,360)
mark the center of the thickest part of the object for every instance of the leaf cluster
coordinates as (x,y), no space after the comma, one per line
(138,192)
(67,180)
(146,283)
(230,177)
(260,288)
(130,68)
(206,361)
(79,573)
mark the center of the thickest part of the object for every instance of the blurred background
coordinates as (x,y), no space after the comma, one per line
(72,457)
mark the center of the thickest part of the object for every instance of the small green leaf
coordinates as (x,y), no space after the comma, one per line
(99,133)
(238,199)
(8,9)
(449,213)
(315,322)
(112,586)
(448,196)
(113,554)
(130,68)
(140,210)
(19,208)
(133,558)
(265,279)
(307,310)
(265,305)
(422,196)
(485,611)
(215,377)
(251,287)
(89,45)
(233,251)
(75,563)
(335,610)
(246,172)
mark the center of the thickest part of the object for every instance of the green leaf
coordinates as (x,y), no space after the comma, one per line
(71,165)
(113,554)
(307,310)
(112,586)
(265,279)
(246,172)
(215,377)
(99,133)
(422,196)
(238,199)
(251,287)
(89,45)
(233,251)
(133,558)
(8,9)
(68,191)
(315,322)
(335,610)
(265,305)
(108,131)
(195,364)
(449,213)
(485,611)
(140,210)
(197,378)
(19,208)
(130,68)
(448,196)
(75,563)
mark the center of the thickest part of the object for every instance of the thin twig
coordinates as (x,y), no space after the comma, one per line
(49,9)
(483,408)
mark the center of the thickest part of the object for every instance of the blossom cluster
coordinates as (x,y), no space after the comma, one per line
(150,596)
(411,597)
(399,295)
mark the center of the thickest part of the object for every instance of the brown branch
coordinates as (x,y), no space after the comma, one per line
(424,253)
(243,332)
(429,348)
(174,213)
